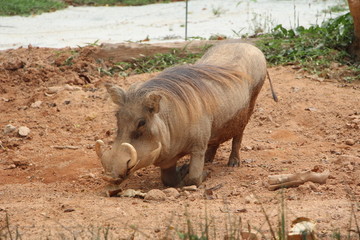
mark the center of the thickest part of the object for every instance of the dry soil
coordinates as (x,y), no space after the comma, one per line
(57,193)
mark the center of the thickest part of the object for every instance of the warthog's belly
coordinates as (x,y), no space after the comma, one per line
(231,128)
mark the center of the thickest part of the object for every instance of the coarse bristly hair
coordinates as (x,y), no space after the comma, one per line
(192,86)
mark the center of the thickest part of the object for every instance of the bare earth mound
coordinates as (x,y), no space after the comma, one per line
(50,178)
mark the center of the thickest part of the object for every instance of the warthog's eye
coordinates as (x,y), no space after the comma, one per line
(141,123)
(140,129)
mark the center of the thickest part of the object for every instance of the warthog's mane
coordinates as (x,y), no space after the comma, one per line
(192,86)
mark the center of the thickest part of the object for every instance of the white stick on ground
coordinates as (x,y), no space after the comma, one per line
(296,179)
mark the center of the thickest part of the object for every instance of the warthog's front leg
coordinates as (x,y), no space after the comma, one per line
(196,173)
(170,176)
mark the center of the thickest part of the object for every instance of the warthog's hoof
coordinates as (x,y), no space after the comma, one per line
(234,162)
(188,181)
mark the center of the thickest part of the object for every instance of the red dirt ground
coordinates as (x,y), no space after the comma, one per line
(59,194)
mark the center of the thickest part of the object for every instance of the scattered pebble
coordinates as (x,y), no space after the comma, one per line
(350,167)
(11,166)
(251,199)
(350,142)
(132,193)
(52,90)
(295,89)
(89,175)
(36,104)
(171,192)
(24,131)
(248,148)
(155,195)
(311,109)
(71,88)
(249,160)
(69,210)
(56,89)
(9,129)
(190,188)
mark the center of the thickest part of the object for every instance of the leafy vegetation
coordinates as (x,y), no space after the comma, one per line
(114,2)
(158,62)
(29,7)
(33,7)
(314,48)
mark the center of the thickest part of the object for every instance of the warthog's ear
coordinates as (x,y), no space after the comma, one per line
(117,94)
(152,103)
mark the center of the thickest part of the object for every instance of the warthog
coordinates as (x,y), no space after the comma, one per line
(188,109)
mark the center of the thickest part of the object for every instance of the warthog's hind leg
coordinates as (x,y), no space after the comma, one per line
(234,159)
(210,153)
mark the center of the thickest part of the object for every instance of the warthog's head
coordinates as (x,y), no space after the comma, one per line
(137,144)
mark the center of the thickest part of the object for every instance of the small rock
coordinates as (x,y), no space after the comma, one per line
(71,88)
(185,193)
(248,148)
(88,175)
(133,193)
(241,210)
(259,147)
(24,131)
(155,195)
(9,129)
(190,188)
(55,89)
(11,166)
(350,167)
(36,104)
(295,89)
(171,192)
(248,160)
(311,109)
(251,199)
(346,159)
(69,210)
(313,187)
(350,142)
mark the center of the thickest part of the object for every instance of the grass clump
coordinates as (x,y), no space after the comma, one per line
(155,63)
(33,7)
(314,48)
(29,7)
(114,2)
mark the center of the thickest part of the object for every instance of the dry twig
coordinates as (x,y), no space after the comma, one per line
(296,179)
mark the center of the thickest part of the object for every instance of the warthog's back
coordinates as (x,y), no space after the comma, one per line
(242,57)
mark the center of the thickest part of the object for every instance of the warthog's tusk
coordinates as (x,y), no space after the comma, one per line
(147,161)
(98,149)
(133,154)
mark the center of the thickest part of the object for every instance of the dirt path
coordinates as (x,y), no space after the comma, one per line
(58,193)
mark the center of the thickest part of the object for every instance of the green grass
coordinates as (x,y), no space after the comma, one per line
(155,63)
(29,7)
(315,48)
(33,7)
(114,2)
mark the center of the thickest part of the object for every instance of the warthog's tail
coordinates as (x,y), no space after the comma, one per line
(272,88)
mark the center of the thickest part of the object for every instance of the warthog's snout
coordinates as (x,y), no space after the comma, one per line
(122,160)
